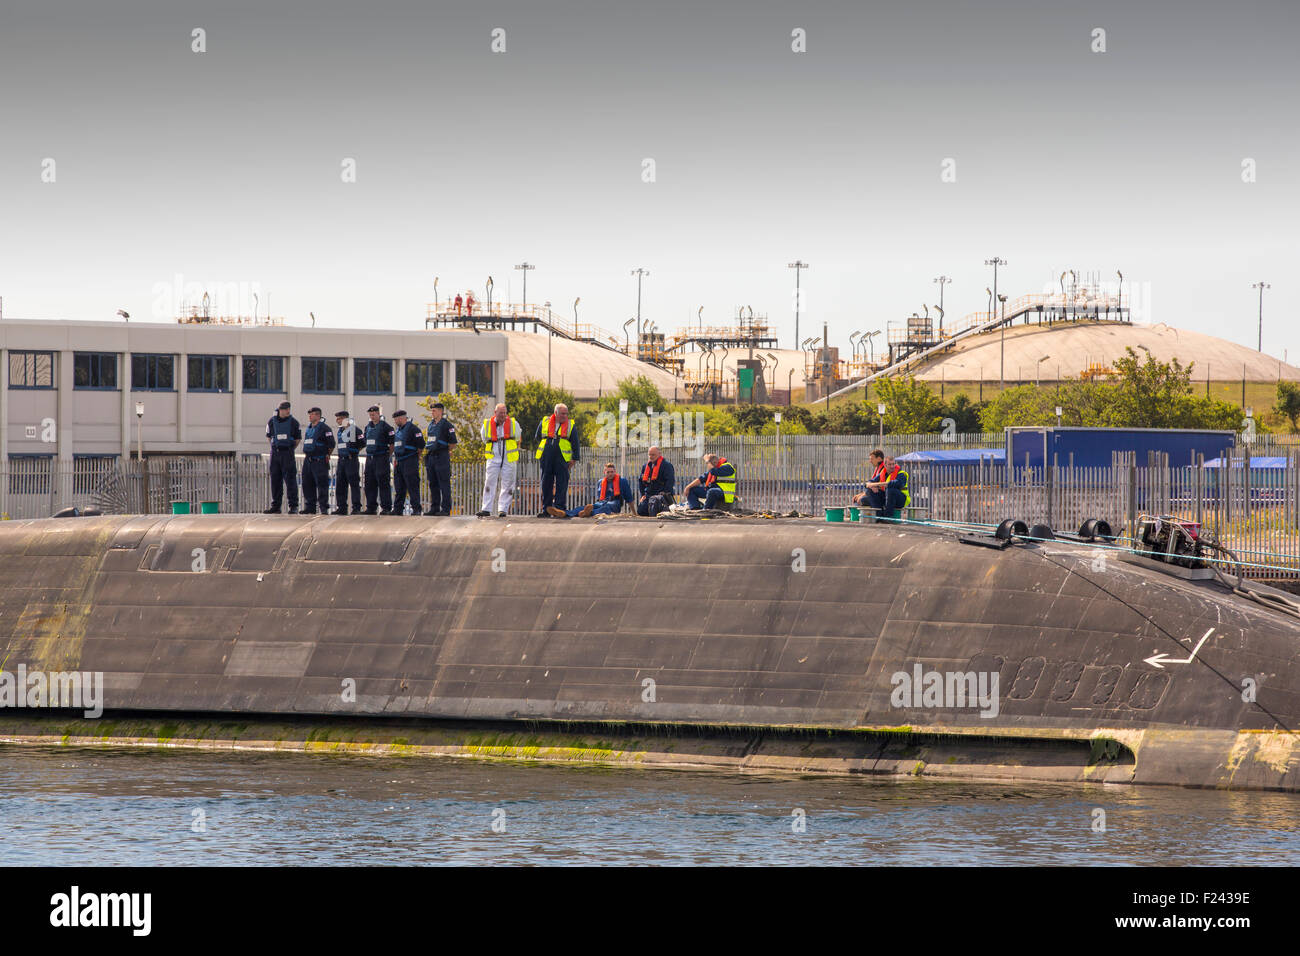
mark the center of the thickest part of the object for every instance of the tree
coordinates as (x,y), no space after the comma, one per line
(964,412)
(911,406)
(1148,394)
(466,411)
(1019,405)
(534,400)
(1288,402)
(640,393)
(850,418)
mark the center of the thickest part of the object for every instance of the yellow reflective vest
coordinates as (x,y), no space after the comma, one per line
(726,483)
(507,432)
(561,433)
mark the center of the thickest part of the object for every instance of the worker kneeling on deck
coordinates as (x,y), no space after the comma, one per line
(874,496)
(716,488)
(615,492)
(656,485)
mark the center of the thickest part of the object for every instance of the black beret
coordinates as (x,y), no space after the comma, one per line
(373,408)
(401,412)
(340,414)
(285,405)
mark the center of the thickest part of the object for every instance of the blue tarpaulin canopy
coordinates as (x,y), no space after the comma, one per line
(957,456)
(1256,461)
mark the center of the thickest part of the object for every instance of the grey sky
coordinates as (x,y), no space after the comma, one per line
(224,166)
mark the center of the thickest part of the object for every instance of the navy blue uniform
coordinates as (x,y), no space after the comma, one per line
(379,446)
(407,442)
(655,489)
(347,473)
(284,435)
(555,470)
(437,465)
(317,443)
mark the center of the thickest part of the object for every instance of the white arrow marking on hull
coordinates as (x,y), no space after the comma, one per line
(1160,660)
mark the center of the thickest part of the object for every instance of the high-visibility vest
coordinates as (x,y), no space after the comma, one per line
(907,490)
(507,432)
(728,485)
(615,488)
(566,446)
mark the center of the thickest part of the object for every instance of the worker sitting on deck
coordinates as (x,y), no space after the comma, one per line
(615,491)
(874,496)
(656,484)
(717,487)
(897,494)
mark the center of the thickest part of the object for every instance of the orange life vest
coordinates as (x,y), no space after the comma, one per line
(649,475)
(614,488)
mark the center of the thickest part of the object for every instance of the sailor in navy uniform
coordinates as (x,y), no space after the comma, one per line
(407,442)
(379,445)
(317,444)
(437,461)
(347,473)
(284,433)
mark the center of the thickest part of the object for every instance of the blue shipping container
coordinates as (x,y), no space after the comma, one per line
(1095,447)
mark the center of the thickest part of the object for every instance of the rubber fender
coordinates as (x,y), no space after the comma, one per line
(1043,532)
(1103,530)
(1088,529)
(1009,527)
(66,513)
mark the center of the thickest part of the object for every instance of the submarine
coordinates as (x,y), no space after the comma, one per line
(751,644)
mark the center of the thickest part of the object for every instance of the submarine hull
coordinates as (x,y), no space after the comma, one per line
(783,644)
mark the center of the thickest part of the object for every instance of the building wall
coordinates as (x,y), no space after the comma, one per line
(103,421)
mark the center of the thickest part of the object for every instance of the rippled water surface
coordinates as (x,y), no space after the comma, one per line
(69,806)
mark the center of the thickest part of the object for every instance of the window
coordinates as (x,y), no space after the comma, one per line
(94,370)
(263,373)
(209,373)
(476,376)
(30,474)
(373,376)
(153,373)
(31,369)
(423,378)
(89,471)
(321,375)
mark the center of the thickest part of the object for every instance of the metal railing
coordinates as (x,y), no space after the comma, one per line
(1255,511)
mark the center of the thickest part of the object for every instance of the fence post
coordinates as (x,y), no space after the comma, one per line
(1049,481)
(1132,497)
(812,489)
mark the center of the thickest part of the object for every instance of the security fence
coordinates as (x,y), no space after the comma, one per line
(1253,510)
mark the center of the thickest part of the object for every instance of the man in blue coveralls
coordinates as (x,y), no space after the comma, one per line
(557,450)
(716,488)
(615,492)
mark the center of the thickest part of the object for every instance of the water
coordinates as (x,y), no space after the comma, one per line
(79,806)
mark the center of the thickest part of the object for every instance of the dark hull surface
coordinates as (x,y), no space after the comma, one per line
(725,623)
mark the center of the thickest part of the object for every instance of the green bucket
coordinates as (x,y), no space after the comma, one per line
(209,507)
(834,515)
(180,507)
(854,514)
